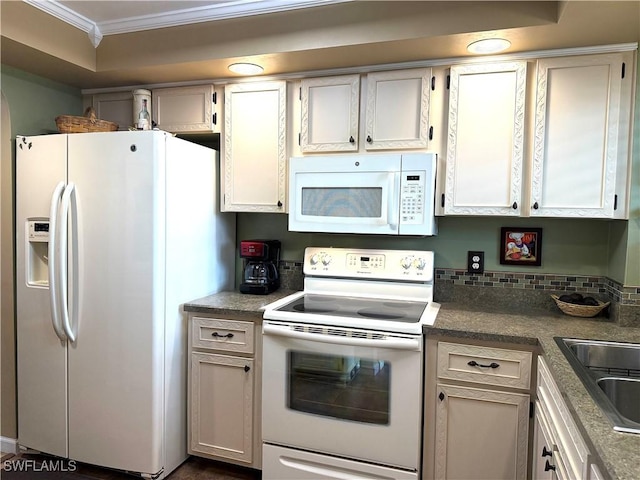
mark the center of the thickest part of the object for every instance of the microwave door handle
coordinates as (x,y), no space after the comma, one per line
(394,203)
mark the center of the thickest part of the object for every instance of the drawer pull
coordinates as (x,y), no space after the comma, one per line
(216,334)
(473,363)
(548,466)
(247,368)
(546,453)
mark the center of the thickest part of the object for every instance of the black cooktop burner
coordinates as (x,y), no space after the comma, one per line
(301,307)
(356,308)
(380,314)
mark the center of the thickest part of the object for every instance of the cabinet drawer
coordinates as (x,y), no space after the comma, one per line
(225,335)
(486,365)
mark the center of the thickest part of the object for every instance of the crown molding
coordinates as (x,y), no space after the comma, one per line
(208,13)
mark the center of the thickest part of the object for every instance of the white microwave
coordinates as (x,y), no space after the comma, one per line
(389,194)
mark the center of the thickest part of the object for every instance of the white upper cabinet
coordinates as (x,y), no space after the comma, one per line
(395,105)
(329,111)
(397,114)
(254,147)
(114,106)
(575,147)
(484,160)
(186,109)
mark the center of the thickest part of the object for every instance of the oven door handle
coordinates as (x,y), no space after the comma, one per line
(413,344)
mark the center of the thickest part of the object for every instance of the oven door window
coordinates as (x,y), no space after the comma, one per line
(343,387)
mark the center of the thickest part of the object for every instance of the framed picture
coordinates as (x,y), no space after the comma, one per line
(521,246)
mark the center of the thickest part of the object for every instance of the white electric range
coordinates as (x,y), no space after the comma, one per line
(343,366)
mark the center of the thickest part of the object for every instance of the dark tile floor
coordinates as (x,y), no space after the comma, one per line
(194,468)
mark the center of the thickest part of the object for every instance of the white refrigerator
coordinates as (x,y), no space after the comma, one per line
(115,231)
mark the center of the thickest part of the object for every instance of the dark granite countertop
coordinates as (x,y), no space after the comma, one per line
(235,304)
(618,454)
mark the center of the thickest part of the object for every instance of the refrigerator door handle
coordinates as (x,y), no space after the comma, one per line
(62,267)
(53,262)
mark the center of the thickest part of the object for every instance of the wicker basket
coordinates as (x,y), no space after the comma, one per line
(88,123)
(580,310)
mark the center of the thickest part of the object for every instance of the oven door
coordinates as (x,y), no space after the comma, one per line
(345,392)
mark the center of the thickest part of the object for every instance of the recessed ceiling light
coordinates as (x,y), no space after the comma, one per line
(489,45)
(246,68)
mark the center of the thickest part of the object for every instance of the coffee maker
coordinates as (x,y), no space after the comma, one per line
(260,270)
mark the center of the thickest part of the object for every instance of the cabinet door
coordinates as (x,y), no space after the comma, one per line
(255,164)
(576,136)
(398,109)
(116,107)
(481,434)
(486,139)
(186,109)
(221,406)
(329,117)
(544,451)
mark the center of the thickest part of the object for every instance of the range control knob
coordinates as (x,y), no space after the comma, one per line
(406,263)
(326,259)
(313,259)
(420,263)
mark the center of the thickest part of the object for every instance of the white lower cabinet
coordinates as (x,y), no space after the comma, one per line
(481,428)
(223,412)
(569,458)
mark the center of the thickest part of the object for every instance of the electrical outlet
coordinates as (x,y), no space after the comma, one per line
(475,262)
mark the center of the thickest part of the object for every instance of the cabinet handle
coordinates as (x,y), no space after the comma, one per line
(430,133)
(548,466)
(535,206)
(442,200)
(215,118)
(247,368)
(352,140)
(473,363)
(279,204)
(217,335)
(515,205)
(441,396)
(546,453)
(369,139)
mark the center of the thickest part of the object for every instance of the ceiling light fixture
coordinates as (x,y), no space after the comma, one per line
(489,45)
(246,68)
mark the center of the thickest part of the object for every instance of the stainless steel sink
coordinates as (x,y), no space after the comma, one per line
(611,373)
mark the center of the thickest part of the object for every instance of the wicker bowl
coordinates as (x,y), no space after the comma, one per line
(580,310)
(88,123)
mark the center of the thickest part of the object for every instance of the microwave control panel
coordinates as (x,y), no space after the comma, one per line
(412,197)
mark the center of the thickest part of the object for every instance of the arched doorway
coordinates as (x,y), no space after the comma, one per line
(8,420)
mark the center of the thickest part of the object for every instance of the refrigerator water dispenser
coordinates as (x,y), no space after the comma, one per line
(37,253)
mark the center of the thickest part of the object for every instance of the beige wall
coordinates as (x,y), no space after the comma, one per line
(8,427)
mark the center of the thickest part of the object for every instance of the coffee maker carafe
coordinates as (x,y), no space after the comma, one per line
(260,269)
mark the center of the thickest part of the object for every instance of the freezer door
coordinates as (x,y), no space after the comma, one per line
(41,354)
(116,278)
